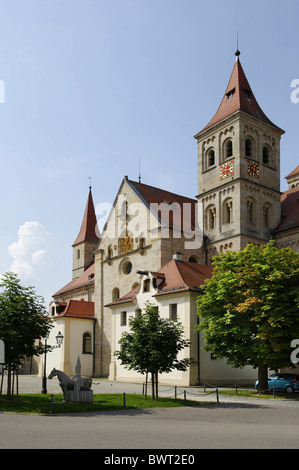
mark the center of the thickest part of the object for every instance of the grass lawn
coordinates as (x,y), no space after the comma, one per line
(40,404)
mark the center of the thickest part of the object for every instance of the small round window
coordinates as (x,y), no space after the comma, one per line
(126,267)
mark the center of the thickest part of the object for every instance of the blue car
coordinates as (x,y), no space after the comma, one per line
(285,382)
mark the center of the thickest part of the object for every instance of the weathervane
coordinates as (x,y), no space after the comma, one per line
(237,53)
(139,172)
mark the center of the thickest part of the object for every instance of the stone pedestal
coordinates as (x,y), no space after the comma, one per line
(79,396)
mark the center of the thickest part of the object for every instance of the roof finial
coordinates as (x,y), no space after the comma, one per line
(89,182)
(237,53)
(139,178)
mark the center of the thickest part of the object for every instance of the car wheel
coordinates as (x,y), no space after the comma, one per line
(289,389)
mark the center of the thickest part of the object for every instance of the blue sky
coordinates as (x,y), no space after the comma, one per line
(91,86)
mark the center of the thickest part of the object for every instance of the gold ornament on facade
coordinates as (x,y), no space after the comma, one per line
(126,244)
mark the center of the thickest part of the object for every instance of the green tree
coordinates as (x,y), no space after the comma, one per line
(152,345)
(250,308)
(23,323)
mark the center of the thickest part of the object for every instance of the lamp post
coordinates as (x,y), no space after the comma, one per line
(59,341)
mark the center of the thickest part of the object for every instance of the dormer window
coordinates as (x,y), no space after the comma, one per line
(248,94)
(230,94)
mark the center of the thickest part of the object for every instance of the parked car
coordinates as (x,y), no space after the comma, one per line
(283,381)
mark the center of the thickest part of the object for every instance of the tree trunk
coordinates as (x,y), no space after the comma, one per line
(157,391)
(8,392)
(146,380)
(153,385)
(17,382)
(2,377)
(263,379)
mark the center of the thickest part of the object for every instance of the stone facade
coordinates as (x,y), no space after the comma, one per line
(116,263)
(238,207)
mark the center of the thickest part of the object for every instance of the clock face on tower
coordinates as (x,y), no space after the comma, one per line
(226,169)
(253,168)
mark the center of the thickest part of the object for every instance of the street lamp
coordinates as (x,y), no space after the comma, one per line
(59,341)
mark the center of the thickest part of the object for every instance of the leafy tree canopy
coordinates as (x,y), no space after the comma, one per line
(23,320)
(250,307)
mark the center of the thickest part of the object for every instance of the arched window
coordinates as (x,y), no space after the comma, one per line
(248,147)
(267,215)
(251,216)
(115,294)
(210,158)
(227,211)
(193,259)
(110,251)
(211,217)
(266,155)
(135,285)
(86,349)
(228,148)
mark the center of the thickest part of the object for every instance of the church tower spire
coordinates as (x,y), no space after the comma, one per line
(238,96)
(239,170)
(86,241)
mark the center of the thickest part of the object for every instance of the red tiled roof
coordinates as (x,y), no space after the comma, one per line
(289,210)
(130,297)
(178,276)
(242,99)
(88,231)
(86,279)
(78,309)
(176,218)
(182,276)
(294,172)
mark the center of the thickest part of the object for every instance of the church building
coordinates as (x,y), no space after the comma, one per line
(157,246)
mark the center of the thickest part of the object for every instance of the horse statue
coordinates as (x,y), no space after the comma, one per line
(67,383)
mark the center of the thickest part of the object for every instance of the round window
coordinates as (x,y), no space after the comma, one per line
(126,267)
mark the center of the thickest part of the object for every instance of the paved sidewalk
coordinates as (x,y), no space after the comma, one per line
(33,384)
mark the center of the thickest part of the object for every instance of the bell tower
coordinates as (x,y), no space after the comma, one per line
(238,170)
(86,241)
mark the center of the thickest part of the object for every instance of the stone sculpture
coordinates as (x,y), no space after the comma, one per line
(75,389)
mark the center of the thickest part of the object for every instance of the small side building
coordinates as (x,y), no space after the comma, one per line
(174,290)
(75,320)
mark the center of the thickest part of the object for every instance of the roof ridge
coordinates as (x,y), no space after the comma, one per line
(161,189)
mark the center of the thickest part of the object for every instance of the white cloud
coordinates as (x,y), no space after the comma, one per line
(30,251)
